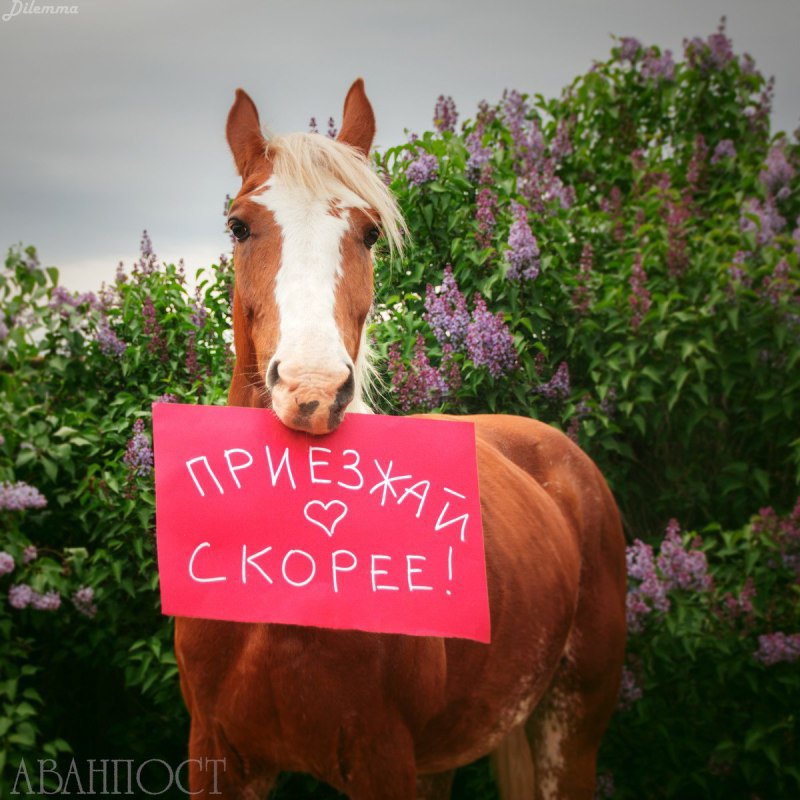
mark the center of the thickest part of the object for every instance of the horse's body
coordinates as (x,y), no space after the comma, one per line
(384,715)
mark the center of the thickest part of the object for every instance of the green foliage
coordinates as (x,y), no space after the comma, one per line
(662,287)
(98,684)
(710,699)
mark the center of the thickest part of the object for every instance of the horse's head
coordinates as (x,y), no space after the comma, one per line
(309,210)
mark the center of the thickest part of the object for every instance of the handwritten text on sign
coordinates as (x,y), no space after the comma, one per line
(375,527)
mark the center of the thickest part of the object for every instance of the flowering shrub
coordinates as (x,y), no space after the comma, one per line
(709,698)
(638,238)
(86,658)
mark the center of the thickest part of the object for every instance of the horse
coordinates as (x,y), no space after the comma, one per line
(392,716)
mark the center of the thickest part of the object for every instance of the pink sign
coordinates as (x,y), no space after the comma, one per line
(375,527)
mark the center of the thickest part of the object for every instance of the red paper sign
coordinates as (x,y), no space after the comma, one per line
(375,527)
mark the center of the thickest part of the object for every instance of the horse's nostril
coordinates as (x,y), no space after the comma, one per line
(307,409)
(345,392)
(273,377)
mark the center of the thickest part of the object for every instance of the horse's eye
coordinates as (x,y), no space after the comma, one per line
(239,230)
(371,236)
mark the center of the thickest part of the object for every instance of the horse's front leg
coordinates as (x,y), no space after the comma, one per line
(216,770)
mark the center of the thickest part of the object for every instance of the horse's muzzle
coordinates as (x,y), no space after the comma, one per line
(312,401)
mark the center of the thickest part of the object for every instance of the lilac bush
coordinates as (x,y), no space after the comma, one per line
(78,583)
(712,617)
(659,221)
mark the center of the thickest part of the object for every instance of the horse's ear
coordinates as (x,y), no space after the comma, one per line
(358,119)
(243,130)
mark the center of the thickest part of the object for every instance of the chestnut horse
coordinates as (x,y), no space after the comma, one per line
(387,716)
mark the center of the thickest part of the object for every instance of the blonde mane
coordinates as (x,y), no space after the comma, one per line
(326,166)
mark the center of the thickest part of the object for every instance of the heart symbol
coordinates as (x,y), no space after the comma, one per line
(323,513)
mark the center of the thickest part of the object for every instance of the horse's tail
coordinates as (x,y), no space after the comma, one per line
(513,766)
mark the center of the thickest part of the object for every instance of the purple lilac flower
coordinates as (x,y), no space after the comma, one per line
(724,149)
(147,258)
(676,217)
(62,300)
(769,222)
(651,593)
(776,647)
(716,52)
(536,171)
(121,277)
(449,370)
(682,568)
(49,601)
(558,387)
(489,341)
(655,65)
(758,115)
(561,146)
(18,496)
(694,170)
(629,48)
(445,115)
(785,532)
(486,208)
(582,295)
(199,312)
(167,398)
(737,270)
(523,252)
(639,298)
(446,311)
(418,385)
(83,600)
(423,169)
(777,284)
(479,155)
(7,563)
(139,455)
(312,128)
(630,690)
(332,130)
(741,605)
(30,553)
(514,105)
(110,343)
(778,171)
(20,596)
(152,328)
(608,405)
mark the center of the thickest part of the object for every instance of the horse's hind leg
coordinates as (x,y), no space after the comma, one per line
(567,727)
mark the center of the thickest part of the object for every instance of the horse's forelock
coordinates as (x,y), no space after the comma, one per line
(331,169)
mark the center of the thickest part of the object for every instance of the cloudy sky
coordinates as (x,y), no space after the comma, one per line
(113,117)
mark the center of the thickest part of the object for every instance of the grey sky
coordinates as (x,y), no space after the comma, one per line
(113,118)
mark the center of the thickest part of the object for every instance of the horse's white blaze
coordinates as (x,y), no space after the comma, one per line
(305,285)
